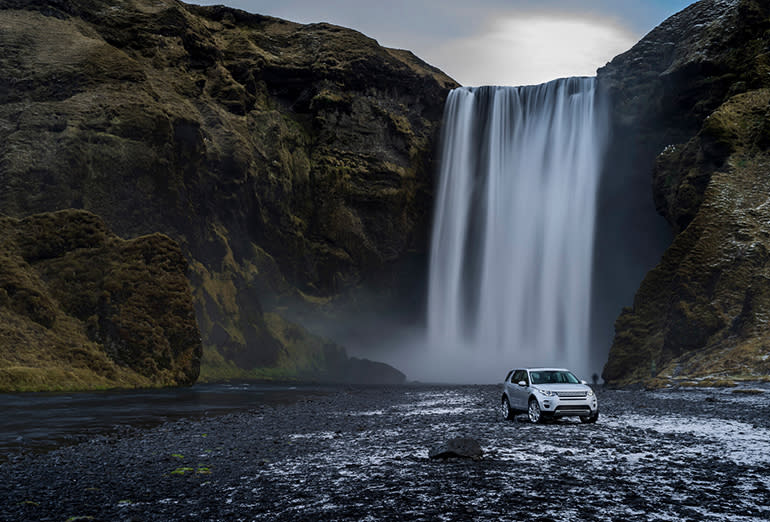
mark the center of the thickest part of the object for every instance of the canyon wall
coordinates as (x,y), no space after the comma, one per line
(691,105)
(292,163)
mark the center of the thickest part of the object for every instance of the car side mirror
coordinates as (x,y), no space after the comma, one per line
(584,382)
(522,383)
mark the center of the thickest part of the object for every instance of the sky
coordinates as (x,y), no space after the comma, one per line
(489,42)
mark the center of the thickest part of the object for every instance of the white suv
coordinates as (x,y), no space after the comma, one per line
(547,393)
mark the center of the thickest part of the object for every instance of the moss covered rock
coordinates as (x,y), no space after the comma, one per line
(697,91)
(81,308)
(293,163)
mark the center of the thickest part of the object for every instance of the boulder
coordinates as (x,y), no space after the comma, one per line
(458,447)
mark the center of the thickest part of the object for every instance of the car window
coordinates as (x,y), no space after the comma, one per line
(553,377)
(520,375)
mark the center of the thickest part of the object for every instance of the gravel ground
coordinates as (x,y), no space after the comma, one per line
(362,454)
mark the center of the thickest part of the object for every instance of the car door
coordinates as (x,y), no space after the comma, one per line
(507,387)
(518,393)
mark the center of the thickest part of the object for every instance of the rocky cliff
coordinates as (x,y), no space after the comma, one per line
(695,95)
(81,308)
(291,162)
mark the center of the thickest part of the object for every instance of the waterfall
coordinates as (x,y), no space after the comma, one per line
(512,244)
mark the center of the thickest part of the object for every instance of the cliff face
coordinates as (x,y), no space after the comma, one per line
(696,92)
(292,163)
(81,308)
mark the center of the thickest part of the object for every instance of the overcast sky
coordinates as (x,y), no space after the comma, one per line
(482,42)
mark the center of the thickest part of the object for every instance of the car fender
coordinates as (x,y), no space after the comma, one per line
(533,395)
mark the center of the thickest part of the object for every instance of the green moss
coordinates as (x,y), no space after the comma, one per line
(214,367)
(716,383)
(92,313)
(401,124)
(327,99)
(656,384)
(303,357)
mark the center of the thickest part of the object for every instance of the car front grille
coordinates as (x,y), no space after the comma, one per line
(571,394)
(573,410)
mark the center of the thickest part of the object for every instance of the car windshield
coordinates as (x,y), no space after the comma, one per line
(553,377)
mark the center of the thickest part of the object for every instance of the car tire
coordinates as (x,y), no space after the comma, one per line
(534,413)
(505,409)
(590,419)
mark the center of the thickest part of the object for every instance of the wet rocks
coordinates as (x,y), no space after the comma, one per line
(359,452)
(458,447)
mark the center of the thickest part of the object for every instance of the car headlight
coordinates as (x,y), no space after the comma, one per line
(547,393)
(590,393)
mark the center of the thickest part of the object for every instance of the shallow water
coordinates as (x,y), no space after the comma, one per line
(42,421)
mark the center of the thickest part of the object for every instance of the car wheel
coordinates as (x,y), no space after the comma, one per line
(534,413)
(505,409)
(589,419)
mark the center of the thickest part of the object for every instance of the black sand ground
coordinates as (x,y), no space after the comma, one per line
(362,454)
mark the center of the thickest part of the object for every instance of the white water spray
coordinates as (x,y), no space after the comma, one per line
(513,233)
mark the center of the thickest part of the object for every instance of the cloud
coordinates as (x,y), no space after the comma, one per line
(532,47)
(504,42)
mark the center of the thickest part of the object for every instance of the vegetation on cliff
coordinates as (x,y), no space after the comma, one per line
(81,308)
(291,162)
(697,90)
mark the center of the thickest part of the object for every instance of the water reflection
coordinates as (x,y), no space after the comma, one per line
(42,421)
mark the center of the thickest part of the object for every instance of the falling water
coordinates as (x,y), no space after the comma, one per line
(511,253)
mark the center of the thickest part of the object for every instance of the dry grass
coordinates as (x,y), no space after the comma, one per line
(82,309)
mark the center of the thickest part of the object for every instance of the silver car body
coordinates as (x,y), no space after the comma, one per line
(556,392)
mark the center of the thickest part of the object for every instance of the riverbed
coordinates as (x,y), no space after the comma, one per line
(361,453)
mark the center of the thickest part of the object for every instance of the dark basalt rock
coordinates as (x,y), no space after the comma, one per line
(696,93)
(458,447)
(292,163)
(354,370)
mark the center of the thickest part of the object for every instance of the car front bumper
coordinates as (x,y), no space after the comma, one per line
(560,407)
